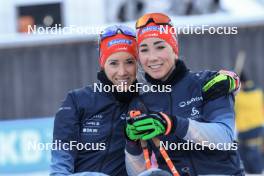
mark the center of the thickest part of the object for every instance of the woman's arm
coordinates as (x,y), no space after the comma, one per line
(135,162)
(210,132)
(218,124)
(66,130)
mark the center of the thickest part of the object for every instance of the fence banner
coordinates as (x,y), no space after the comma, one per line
(24,145)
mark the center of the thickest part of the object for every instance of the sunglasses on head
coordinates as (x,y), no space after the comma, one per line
(157,18)
(114,30)
(117,29)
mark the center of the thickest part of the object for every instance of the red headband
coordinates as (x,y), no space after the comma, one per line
(117,43)
(165,32)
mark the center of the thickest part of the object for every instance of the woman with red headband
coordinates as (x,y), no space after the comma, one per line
(90,124)
(196,128)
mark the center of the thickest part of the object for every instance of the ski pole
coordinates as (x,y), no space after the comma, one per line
(156,142)
(166,157)
(144,144)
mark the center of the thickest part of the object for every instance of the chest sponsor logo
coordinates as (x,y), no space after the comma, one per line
(189,102)
(97,117)
(195,114)
(90,130)
(92,125)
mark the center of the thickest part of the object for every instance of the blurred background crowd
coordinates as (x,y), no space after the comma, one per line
(37,69)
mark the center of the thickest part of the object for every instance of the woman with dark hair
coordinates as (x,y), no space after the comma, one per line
(189,115)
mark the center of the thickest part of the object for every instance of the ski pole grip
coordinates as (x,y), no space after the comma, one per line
(134,113)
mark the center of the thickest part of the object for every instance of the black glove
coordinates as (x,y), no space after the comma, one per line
(220,84)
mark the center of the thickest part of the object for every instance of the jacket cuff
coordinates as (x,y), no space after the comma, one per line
(133,147)
(181,126)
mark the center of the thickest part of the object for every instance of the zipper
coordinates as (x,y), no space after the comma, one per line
(170,110)
(188,155)
(116,115)
(109,140)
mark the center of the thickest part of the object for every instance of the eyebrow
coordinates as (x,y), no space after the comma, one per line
(112,60)
(143,45)
(155,43)
(129,58)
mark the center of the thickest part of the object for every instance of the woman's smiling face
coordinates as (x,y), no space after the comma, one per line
(121,69)
(157,58)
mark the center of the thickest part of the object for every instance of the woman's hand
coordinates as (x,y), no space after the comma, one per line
(220,84)
(146,126)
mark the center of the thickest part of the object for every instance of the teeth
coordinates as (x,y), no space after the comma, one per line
(155,66)
(123,81)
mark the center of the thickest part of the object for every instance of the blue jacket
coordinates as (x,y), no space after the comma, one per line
(196,121)
(96,119)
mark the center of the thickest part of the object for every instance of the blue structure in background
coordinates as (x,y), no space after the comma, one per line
(25,145)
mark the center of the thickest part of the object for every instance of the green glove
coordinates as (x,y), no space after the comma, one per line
(132,133)
(220,84)
(148,126)
(151,126)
